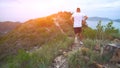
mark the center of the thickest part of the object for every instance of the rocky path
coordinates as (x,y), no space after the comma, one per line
(61,60)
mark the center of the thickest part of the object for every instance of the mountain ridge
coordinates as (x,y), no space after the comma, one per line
(35,33)
(117,20)
(8,26)
(102,19)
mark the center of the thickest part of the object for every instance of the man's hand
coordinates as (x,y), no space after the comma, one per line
(84,21)
(85,18)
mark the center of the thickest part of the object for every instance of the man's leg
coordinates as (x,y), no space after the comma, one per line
(80,36)
(76,38)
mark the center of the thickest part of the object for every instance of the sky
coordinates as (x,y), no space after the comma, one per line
(23,10)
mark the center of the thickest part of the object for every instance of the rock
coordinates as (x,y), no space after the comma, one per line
(97,47)
(60,62)
(116,56)
(110,48)
(116,41)
(118,65)
(96,65)
(65,53)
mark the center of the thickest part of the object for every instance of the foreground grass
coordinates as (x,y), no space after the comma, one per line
(40,58)
(86,56)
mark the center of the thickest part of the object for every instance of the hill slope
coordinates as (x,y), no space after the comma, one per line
(35,32)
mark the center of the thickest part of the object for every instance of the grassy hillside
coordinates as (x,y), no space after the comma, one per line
(37,42)
(36,33)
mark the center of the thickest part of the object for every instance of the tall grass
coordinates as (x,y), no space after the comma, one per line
(102,32)
(40,58)
(86,56)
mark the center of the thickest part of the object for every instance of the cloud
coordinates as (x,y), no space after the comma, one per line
(38,8)
(114,4)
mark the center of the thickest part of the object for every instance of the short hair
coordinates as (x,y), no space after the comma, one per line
(78,9)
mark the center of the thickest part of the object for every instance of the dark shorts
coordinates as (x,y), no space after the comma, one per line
(77,30)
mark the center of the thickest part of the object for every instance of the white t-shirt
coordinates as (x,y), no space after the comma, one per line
(78,17)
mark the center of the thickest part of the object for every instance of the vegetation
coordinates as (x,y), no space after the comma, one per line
(17,48)
(87,56)
(41,33)
(40,58)
(101,32)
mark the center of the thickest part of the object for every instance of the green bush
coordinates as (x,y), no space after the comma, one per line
(102,32)
(82,58)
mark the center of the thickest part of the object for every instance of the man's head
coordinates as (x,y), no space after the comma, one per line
(78,10)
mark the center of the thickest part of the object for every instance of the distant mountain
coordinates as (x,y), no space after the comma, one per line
(117,20)
(7,26)
(98,19)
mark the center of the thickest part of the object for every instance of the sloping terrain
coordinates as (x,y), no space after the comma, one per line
(35,32)
(38,43)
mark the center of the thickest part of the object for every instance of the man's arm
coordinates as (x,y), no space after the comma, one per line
(84,21)
(72,19)
(85,18)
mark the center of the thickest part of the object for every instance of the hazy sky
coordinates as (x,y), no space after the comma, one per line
(23,10)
